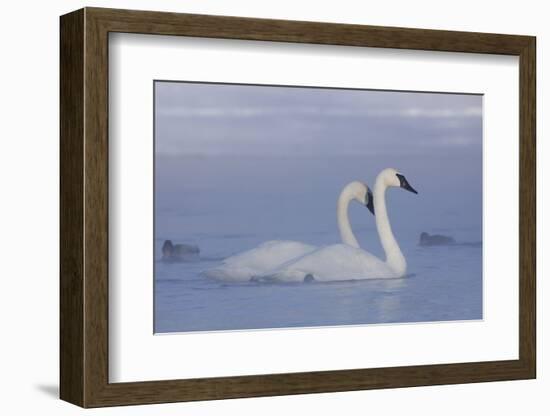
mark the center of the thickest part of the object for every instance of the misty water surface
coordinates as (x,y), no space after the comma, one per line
(236,166)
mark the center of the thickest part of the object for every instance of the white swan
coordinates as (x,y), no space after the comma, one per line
(349,262)
(270,255)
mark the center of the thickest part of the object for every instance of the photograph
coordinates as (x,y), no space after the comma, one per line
(299,207)
(279,205)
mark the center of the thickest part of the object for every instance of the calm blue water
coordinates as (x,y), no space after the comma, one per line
(213,209)
(444,284)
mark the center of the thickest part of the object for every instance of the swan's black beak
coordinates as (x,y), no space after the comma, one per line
(369,203)
(405,184)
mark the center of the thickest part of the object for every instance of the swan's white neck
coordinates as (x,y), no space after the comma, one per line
(394,258)
(346,234)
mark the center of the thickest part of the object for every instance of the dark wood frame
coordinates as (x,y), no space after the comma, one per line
(84,207)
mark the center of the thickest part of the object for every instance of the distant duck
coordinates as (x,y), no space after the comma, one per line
(435,240)
(179,252)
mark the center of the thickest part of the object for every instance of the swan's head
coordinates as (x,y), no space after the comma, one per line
(361,193)
(392,177)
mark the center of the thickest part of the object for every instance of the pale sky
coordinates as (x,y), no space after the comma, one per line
(218,119)
(275,158)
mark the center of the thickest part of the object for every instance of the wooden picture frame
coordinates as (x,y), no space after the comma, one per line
(84,207)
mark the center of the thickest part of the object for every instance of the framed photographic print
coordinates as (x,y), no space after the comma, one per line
(255,207)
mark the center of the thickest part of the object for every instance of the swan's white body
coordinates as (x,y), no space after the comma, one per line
(331,263)
(262,260)
(349,262)
(259,260)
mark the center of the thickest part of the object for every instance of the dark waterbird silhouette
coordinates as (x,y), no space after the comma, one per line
(179,252)
(435,240)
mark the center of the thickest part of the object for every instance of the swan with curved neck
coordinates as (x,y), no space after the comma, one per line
(270,255)
(357,191)
(394,257)
(349,261)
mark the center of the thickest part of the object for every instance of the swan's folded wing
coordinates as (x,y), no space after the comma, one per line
(270,254)
(259,260)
